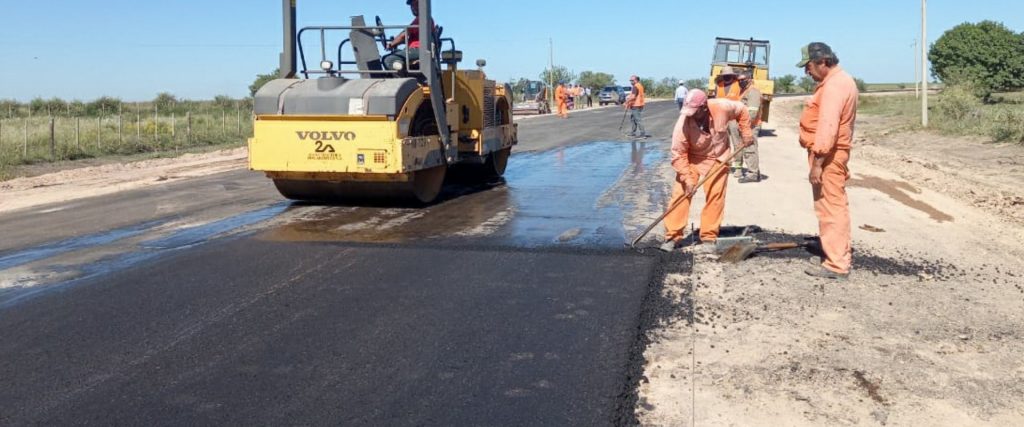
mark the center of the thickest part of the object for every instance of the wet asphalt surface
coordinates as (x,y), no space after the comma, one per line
(215,301)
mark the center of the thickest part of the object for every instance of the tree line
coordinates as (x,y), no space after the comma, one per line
(106,105)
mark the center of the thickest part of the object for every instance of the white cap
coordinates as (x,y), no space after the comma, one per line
(682,82)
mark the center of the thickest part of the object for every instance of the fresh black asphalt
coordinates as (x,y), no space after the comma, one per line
(246,330)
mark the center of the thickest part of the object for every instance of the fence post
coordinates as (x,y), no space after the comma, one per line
(99,132)
(53,141)
(188,129)
(238,119)
(223,122)
(78,133)
(138,125)
(24,144)
(156,127)
(120,138)
(1,134)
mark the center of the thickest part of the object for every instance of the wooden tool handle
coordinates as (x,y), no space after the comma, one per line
(714,170)
(779,246)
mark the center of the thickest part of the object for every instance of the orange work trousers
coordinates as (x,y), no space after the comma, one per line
(714,207)
(563,109)
(833,210)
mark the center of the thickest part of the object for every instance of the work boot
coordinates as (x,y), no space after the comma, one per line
(825,273)
(748,178)
(668,246)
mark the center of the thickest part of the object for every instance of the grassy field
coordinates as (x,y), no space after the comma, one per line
(27,140)
(954,112)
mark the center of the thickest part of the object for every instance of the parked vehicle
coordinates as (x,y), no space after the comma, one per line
(611,95)
(532,99)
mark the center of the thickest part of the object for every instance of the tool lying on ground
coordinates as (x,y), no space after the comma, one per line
(742,251)
(714,171)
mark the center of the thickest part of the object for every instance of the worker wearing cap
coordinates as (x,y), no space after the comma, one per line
(635,104)
(700,145)
(681,94)
(749,165)
(727,84)
(826,131)
(563,101)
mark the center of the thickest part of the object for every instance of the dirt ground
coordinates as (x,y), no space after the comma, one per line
(70,181)
(929,330)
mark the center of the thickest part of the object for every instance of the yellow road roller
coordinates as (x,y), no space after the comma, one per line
(365,126)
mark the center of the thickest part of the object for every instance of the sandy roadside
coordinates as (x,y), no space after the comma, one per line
(80,183)
(928,331)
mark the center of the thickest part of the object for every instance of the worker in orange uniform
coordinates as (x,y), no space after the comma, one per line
(635,104)
(749,166)
(700,145)
(727,84)
(562,99)
(826,131)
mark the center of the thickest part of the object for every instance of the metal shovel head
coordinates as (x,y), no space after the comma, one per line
(738,252)
(724,243)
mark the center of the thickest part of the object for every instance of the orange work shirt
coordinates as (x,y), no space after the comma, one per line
(731,91)
(827,121)
(691,145)
(636,97)
(560,93)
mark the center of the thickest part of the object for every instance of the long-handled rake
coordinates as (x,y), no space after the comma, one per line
(675,205)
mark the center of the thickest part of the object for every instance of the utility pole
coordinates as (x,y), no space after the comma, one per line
(924,63)
(551,71)
(917,72)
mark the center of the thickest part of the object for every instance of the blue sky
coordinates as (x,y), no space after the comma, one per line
(83,49)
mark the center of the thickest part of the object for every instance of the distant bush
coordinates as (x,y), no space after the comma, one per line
(959,104)
(1006,124)
(861,86)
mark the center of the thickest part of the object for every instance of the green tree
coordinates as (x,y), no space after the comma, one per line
(37,106)
(224,101)
(104,105)
(557,74)
(807,84)
(698,83)
(262,79)
(785,84)
(165,101)
(55,106)
(987,55)
(595,80)
(9,107)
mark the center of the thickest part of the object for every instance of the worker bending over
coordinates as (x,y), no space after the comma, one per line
(700,145)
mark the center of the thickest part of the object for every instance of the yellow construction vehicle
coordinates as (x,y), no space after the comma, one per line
(367,126)
(745,57)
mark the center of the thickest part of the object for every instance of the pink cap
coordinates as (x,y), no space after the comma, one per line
(695,99)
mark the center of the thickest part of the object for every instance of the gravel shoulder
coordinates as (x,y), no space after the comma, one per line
(927,331)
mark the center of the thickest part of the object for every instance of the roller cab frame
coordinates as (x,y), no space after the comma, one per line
(356,128)
(745,55)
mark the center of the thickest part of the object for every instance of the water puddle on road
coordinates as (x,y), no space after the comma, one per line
(900,192)
(554,197)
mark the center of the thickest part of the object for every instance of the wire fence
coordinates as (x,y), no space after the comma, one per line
(26,140)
